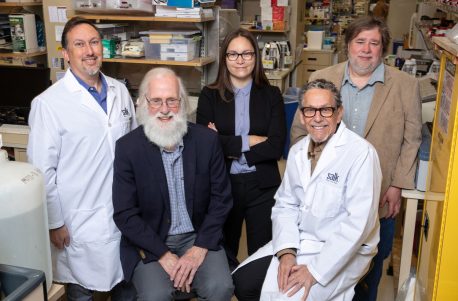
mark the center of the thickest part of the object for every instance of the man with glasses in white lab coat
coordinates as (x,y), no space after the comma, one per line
(325,224)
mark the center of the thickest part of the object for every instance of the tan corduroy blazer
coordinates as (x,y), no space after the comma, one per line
(393,125)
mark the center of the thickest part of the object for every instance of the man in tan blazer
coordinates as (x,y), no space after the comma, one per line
(382,105)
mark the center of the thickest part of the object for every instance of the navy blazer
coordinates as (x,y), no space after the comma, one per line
(141,199)
(267,118)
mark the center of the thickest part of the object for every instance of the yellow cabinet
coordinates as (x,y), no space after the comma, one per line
(438,263)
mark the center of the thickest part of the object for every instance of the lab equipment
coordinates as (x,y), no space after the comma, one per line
(23,217)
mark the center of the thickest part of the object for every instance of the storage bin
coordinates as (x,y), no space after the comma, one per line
(152,51)
(188,46)
(183,49)
(178,56)
(291,101)
(17,283)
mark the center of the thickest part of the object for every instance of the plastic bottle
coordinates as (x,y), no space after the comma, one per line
(414,67)
(410,66)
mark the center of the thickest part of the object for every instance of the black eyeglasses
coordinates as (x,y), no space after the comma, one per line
(246,56)
(156,103)
(324,112)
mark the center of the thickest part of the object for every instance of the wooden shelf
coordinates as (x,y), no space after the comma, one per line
(443,7)
(316,19)
(199,62)
(99,18)
(267,31)
(19,4)
(443,43)
(21,55)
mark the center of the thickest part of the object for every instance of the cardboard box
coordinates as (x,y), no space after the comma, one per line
(280,25)
(278,13)
(266,13)
(23,33)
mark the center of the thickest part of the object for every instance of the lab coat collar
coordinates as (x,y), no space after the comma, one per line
(327,157)
(73,86)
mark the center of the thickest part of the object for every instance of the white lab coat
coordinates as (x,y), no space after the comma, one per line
(329,216)
(72,141)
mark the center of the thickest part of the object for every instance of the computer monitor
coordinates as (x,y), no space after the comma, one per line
(19,85)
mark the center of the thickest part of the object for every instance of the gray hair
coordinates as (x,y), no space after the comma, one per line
(161,72)
(321,84)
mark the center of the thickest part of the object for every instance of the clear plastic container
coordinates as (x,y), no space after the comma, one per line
(183,49)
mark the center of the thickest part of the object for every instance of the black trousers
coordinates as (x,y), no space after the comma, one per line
(254,205)
(248,279)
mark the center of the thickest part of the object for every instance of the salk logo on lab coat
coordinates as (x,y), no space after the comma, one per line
(333,177)
(125,112)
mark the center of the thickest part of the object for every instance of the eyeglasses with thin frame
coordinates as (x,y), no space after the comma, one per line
(246,56)
(156,103)
(82,44)
(310,112)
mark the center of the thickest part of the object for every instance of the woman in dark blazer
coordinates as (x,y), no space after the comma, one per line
(248,113)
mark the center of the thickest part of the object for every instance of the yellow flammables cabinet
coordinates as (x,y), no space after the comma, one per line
(437,269)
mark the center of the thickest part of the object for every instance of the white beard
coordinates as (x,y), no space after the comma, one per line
(163,134)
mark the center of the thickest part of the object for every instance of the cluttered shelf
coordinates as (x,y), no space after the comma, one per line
(19,4)
(268,31)
(442,6)
(198,62)
(445,43)
(21,54)
(98,18)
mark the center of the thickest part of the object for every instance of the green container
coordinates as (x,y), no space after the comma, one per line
(109,48)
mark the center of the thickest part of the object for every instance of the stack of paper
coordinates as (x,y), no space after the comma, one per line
(195,12)
(166,11)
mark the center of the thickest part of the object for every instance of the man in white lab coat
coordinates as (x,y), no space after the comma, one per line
(74,125)
(325,220)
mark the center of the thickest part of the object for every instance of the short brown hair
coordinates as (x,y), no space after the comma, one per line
(368,23)
(72,23)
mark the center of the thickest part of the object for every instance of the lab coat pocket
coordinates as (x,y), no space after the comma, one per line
(327,200)
(120,129)
(89,225)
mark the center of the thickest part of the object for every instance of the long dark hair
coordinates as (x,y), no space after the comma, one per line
(223,81)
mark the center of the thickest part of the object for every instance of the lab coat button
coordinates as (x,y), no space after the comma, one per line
(109,125)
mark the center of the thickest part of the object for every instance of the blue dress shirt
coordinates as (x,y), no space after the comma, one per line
(173,165)
(101,97)
(357,102)
(242,127)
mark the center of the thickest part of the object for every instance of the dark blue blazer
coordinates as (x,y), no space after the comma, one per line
(141,199)
(267,118)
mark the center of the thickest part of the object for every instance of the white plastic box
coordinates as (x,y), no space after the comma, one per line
(188,46)
(183,49)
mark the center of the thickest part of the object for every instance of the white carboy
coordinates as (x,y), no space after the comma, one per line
(24,238)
